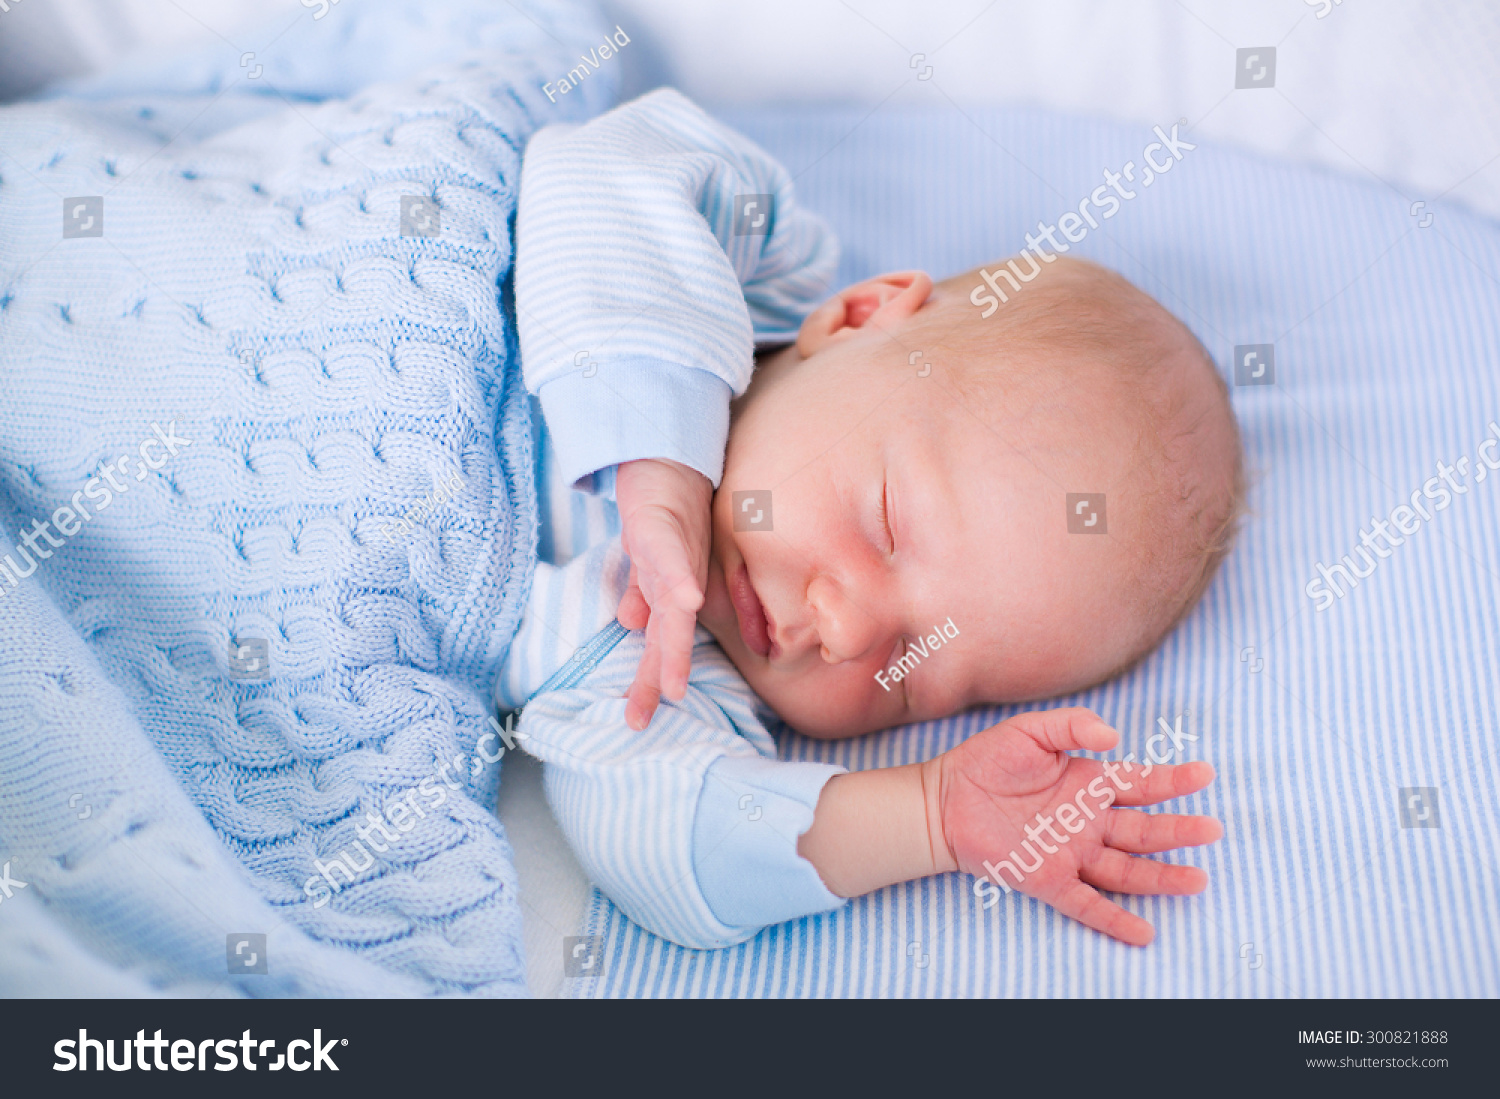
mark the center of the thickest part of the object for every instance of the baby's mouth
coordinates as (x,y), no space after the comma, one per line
(755,630)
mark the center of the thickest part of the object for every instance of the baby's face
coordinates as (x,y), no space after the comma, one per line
(891,509)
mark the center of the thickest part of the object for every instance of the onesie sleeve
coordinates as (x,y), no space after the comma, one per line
(654,248)
(690,827)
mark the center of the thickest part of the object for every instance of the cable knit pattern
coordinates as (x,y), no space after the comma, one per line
(254,298)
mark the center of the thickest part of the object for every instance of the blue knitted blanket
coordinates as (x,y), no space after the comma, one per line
(266,515)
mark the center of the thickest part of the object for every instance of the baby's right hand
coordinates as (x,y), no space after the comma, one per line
(666,529)
(1002,795)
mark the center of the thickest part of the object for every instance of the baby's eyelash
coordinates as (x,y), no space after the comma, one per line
(885,522)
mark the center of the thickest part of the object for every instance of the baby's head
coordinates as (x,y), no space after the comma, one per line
(916,469)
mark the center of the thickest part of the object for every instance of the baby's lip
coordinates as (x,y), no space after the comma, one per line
(755,628)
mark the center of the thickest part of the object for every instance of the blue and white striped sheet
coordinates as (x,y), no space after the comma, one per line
(1387,359)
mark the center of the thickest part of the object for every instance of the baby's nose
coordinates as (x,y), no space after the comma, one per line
(846,629)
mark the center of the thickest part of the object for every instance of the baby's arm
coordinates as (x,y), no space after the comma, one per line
(691,825)
(1011,804)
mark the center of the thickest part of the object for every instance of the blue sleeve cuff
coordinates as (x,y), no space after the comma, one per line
(750,815)
(640,408)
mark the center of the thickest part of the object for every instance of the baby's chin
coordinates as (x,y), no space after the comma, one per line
(808,713)
(814,707)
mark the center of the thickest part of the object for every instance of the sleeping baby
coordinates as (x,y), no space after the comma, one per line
(900,507)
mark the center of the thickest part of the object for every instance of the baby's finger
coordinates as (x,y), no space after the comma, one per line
(1135,787)
(1084,904)
(645,692)
(1147,833)
(1119,873)
(665,570)
(672,630)
(633,612)
(1070,729)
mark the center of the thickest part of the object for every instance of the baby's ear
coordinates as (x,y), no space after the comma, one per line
(881,303)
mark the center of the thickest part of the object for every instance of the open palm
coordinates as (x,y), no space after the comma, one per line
(1001,794)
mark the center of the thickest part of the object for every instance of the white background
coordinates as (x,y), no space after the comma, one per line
(1406,90)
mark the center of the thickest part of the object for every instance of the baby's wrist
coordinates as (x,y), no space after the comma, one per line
(875,828)
(933,772)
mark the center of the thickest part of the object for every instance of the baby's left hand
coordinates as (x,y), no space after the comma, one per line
(665,515)
(1005,791)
